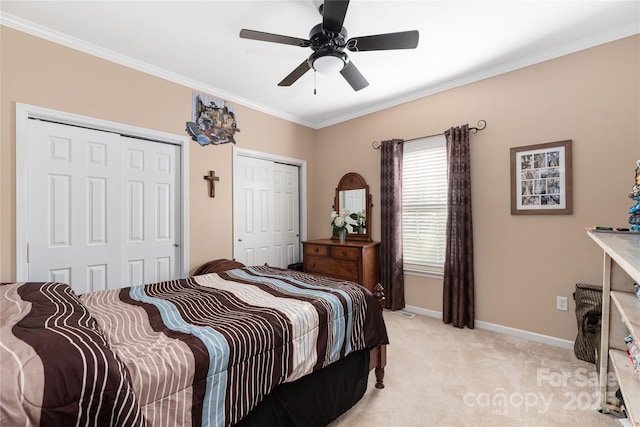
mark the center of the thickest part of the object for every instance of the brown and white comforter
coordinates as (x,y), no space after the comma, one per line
(56,368)
(198,351)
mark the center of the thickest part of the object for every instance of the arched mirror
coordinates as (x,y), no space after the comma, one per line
(352,193)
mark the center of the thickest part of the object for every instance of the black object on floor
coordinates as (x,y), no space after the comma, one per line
(588,300)
(297,266)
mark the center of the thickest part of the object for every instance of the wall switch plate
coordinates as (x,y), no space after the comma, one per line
(562,303)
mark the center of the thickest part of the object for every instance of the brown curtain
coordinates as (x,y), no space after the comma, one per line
(458,290)
(391,273)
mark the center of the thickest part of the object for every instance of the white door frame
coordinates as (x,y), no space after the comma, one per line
(24,112)
(302,184)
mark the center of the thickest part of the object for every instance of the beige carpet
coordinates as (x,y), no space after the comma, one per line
(438,375)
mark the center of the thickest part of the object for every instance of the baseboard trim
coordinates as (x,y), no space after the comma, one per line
(531,336)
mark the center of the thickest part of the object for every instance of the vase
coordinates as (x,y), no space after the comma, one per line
(342,235)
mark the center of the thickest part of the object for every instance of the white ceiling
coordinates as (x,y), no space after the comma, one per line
(196,43)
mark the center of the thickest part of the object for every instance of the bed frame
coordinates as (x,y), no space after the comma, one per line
(378,354)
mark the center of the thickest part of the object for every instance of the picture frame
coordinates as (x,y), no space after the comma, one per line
(541,179)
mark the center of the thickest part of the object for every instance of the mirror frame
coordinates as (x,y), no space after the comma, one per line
(354,181)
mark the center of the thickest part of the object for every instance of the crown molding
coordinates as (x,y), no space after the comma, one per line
(91,49)
(28,27)
(562,50)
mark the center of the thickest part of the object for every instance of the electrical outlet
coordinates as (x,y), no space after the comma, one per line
(562,303)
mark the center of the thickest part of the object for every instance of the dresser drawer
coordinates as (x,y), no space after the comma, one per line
(331,267)
(317,250)
(341,252)
(354,261)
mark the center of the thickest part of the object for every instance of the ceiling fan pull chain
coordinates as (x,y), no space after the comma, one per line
(314,81)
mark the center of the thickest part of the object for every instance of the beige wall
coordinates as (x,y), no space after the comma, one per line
(522,262)
(38,72)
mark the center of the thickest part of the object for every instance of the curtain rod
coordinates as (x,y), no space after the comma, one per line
(481,125)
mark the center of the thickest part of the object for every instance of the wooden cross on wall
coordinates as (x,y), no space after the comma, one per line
(212,178)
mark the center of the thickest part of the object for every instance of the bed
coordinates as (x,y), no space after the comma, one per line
(231,345)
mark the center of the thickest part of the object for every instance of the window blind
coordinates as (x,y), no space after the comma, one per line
(424,205)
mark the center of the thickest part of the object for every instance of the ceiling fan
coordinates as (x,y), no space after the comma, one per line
(328,41)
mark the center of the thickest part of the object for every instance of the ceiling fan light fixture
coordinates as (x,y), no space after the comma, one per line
(329,63)
(329,39)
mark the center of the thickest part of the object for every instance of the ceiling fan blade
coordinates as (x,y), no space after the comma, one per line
(333,13)
(401,40)
(295,74)
(274,38)
(353,76)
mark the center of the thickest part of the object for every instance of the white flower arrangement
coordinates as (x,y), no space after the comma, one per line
(339,220)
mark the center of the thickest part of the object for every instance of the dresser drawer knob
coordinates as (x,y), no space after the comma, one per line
(344,253)
(315,250)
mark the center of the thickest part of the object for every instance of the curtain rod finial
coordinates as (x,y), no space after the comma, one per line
(481,125)
(375,145)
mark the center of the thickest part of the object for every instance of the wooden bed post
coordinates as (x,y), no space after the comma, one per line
(378,292)
(379,354)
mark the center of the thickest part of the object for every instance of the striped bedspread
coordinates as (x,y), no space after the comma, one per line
(56,367)
(207,349)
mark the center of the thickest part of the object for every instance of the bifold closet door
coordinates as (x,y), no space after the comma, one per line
(81,212)
(287,214)
(151,217)
(266,212)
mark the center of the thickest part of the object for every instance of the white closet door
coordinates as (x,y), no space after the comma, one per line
(102,208)
(150,218)
(74,206)
(287,215)
(266,212)
(254,220)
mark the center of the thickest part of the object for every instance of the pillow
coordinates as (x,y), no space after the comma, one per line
(217,266)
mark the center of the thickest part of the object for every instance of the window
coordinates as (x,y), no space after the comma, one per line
(424,205)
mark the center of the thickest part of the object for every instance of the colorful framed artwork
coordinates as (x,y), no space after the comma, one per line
(541,181)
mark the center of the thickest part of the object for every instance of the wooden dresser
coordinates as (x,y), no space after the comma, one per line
(354,261)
